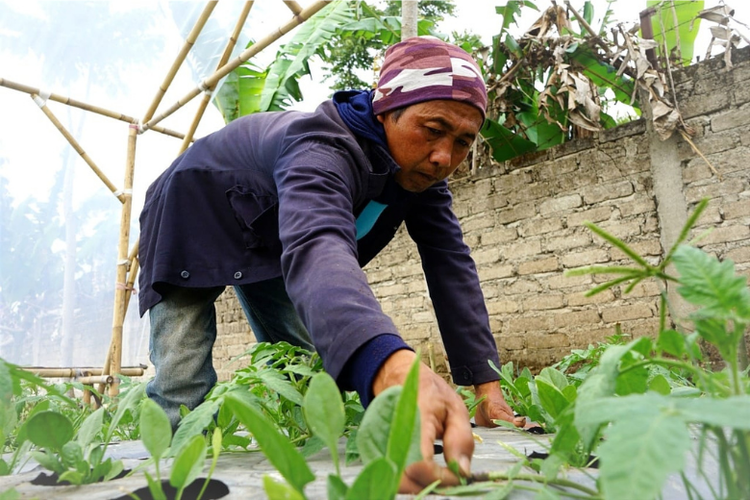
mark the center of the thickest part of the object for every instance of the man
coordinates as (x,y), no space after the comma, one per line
(288,207)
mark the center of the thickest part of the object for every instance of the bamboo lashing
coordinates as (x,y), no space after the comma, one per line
(42,103)
(293,6)
(224,58)
(189,41)
(72,373)
(118,316)
(20,87)
(212,80)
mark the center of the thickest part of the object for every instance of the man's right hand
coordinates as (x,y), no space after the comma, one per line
(442,415)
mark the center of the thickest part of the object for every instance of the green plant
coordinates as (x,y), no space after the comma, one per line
(387,440)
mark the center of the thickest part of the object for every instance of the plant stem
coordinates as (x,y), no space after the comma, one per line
(534,478)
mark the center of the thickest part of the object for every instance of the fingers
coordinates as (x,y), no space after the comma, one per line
(421,474)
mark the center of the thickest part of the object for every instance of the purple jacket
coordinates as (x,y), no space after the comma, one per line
(275,194)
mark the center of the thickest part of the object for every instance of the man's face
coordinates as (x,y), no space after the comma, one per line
(429,140)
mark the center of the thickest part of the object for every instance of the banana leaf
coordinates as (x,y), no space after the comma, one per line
(282,85)
(688,23)
(504,142)
(604,75)
(239,95)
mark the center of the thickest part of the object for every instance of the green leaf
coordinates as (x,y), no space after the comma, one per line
(194,423)
(292,61)
(10,494)
(127,403)
(71,476)
(639,453)
(712,284)
(277,382)
(6,384)
(686,28)
(324,412)
(48,461)
(633,381)
(554,377)
(660,385)
(375,481)
(280,491)
(188,463)
(672,342)
(49,429)
(156,431)
(72,455)
(603,75)
(730,412)
(111,469)
(277,448)
(154,487)
(373,432)
(402,448)
(551,398)
(90,427)
(336,488)
(505,143)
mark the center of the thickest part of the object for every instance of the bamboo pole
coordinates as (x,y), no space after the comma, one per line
(42,103)
(409,18)
(293,6)
(20,87)
(244,56)
(189,41)
(224,58)
(118,316)
(96,379)
(129,371)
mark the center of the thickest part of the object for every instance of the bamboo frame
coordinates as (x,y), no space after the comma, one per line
(118,317)
(43,106)
(27,89)
(189,41)
(224,58)
(40,371)
(212,80)
(127,262)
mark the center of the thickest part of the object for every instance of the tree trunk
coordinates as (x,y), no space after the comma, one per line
(409,17)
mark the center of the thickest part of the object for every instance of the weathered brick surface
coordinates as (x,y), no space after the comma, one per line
(523,220)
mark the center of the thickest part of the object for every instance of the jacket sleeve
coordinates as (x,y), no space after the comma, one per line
(317,185)
(453,284)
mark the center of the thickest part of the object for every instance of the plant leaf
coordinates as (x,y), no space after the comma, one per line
(154,487)
(277,448)
(156,431)
(375,480)
(504,142)
(551,398)
(188,463)
(373,432)
(672,342)
(126,403)
(324,412)
(90,427)
(639,453)
(336,488)
(405,424)
(712,284)
(49,429)
(277,490)
(195,422)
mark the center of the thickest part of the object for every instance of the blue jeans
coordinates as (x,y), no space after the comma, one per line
(183,332)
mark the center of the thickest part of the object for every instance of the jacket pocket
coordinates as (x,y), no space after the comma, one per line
(257,216)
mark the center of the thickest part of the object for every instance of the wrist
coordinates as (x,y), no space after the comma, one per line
(394,370)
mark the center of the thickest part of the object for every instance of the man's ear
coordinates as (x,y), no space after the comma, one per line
(381,118)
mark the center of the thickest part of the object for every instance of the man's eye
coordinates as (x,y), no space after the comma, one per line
(464,144)
(433,131)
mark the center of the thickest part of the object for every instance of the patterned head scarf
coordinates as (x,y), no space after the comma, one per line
(423,69)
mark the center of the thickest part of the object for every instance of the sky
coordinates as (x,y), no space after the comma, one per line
(31,148)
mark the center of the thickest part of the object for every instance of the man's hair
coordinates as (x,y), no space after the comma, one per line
(423,69)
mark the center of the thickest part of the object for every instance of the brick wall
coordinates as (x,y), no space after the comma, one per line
(523,220)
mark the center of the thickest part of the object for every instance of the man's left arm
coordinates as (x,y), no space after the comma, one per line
(454,288)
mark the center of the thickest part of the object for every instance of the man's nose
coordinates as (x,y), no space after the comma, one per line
(441,154)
